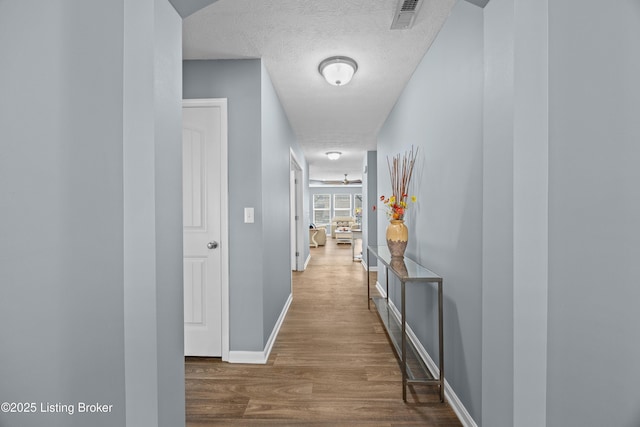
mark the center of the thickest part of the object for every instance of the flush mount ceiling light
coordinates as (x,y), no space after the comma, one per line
(334,155)
(338,70)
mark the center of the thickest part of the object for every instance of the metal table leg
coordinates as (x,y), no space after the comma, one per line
(441,342)
(404,345)
(368,279)
(386,275)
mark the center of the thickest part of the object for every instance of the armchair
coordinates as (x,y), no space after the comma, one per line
(317,237)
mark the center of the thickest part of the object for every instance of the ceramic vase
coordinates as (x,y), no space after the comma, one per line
(397,237)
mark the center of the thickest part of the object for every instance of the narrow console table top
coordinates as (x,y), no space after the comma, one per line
(405,268)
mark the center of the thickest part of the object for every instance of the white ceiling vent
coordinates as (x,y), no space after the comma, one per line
(406,12)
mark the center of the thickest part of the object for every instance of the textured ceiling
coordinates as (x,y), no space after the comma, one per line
(294,36)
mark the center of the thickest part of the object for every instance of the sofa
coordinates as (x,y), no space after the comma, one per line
(317,237)
(341,222)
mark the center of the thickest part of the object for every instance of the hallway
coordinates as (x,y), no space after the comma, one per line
(331,365)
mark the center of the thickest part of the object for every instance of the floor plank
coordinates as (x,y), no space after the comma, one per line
(331,365)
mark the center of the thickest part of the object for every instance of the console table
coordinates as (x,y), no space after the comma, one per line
(406,270)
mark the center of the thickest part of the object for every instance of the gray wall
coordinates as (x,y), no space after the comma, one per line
(440,112)
(515,220)
(153,215)
(497,277)
(556,87)
(594,207)
(168,216)
(277,138)
(259,141)
(71,125)
(370,199)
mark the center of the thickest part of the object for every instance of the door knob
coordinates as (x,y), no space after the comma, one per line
(212,245)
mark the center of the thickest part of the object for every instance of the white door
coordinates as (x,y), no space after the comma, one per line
(292,221)
(201,156)
(297,228)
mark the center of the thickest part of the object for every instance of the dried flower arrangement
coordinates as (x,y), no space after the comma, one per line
(400,172)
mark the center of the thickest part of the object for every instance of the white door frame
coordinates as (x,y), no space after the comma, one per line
(297,227)
(224,211)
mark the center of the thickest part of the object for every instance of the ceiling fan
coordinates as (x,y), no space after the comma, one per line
(344,181)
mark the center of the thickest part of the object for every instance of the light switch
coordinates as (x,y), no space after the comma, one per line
(248,215)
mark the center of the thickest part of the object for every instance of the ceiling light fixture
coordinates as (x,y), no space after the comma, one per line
(338,70)
(334,155)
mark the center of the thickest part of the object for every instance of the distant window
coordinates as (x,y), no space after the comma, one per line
(357,206)
(342,205)
(321,209)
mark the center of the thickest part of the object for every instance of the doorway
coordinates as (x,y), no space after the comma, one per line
(296,215)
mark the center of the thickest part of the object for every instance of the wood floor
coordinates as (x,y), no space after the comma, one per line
(331,365)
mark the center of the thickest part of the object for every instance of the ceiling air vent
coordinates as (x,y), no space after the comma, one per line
(405,14)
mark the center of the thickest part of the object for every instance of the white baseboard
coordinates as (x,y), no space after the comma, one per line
(365,266)
(306,263)
(261,357)
(452,398)
(253,357)
(383,291)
